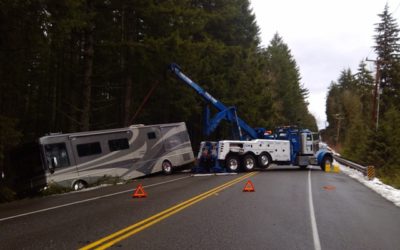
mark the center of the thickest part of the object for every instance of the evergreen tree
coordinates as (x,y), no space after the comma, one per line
(387,49)
(73,65)
(383,147)
(289,95)
(352,98)
(348,110)
(364,87)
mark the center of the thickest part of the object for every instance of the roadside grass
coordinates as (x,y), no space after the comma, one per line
(389,176)
(7,194)
(105,180)
(108,180)
(54,189)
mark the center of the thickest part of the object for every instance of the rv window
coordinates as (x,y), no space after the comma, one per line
(88,149)
(118,144)
(151,135)
(58,153)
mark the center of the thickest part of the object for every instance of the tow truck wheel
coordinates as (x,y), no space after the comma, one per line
(326,160)
(264,160)
(249,162)
(232,163)
(167,167)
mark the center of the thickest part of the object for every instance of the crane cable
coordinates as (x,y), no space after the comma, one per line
(146,98)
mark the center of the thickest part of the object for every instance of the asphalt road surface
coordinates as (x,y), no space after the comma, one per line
(290,209)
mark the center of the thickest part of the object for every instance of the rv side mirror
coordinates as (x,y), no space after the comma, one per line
(53,164)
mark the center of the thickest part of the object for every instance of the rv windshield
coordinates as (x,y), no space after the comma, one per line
(57,153)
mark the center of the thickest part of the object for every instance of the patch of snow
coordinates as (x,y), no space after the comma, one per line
(390,193)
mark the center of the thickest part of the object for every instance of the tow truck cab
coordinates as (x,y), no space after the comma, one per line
(303,144)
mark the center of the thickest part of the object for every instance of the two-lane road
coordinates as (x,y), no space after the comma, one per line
(290,209)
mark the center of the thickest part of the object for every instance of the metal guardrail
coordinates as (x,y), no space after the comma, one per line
(368,171)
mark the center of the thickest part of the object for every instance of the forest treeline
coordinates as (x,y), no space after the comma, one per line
(363,107)
(78,65)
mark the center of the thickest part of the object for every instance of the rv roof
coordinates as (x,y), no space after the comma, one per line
(107,131)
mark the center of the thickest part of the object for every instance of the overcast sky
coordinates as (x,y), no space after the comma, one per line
(324,37)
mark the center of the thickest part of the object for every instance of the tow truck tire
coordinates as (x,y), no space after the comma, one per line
(167,167)
(249,162)
(264,160)
(232,163)
(327,159)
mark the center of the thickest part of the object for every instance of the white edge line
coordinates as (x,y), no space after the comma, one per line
(202,175)
(317,243)
(87,200)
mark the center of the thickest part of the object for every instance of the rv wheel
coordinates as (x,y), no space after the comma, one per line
(78,185)
(167,167)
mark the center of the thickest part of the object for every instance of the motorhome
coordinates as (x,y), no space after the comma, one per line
(79,159)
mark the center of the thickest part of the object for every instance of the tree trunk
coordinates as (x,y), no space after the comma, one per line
(128,28)
(128,99)
(87,75)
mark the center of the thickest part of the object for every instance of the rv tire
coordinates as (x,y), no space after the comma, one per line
(78,185)
(167,167)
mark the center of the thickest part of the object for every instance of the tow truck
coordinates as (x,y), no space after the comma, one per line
(252,147)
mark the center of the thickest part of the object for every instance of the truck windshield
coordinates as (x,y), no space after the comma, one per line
(58,153)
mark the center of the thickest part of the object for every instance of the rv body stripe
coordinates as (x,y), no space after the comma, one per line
(130,155)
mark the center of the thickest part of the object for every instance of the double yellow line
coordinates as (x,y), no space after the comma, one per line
(118,236)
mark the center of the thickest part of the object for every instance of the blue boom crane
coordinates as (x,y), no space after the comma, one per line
(241,129)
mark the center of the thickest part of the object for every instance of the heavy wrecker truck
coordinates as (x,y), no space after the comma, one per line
(253,147)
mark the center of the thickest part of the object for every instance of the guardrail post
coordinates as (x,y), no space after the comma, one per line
(370,172)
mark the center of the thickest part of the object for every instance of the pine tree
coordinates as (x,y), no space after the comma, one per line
(387,49)
(352,98)
(289,95)
(364,87)
(384,146)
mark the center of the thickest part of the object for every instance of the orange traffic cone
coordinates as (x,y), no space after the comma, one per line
(139,192)
(249,187)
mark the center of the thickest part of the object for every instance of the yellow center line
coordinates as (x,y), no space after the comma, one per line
(120,235)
